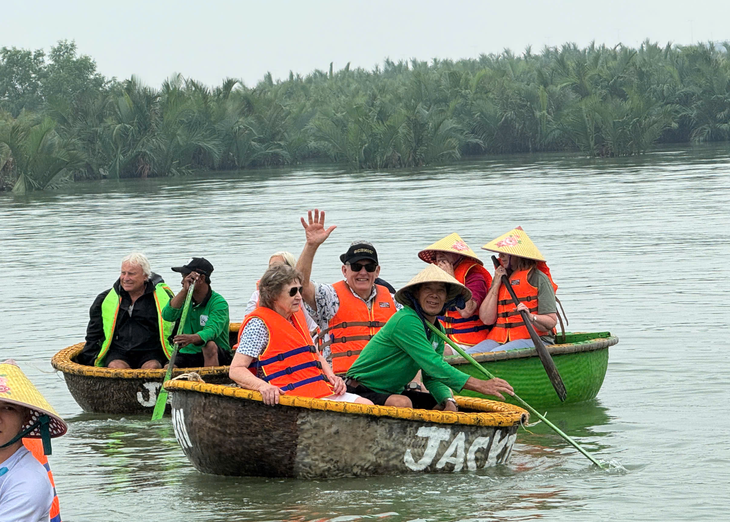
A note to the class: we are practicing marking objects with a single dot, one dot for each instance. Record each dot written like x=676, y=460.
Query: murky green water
x=638, y=246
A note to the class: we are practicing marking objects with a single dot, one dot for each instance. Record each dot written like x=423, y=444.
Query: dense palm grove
x=59, y=118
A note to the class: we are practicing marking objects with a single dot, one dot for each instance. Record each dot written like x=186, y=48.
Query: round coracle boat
x=226, y=430
x=106, y=390
x=581, y=359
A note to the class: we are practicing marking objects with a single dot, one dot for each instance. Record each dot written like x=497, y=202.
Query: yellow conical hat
x=433, y=274
x=451, y=243
x=516, y=242
x=16, y=388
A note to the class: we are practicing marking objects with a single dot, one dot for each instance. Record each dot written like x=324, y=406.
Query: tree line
x=60, y=118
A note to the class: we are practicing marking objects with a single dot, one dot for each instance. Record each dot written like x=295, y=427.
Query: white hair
x=140, y=260
x=288, y=258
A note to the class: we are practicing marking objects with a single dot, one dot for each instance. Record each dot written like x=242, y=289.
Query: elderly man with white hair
x=126, y=329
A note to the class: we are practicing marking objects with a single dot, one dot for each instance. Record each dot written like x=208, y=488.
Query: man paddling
x=203, y=339
x=126, y=329
x=349, y=312
x=406, y=345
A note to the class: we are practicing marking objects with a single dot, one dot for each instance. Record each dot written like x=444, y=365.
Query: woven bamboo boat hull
x=105, y=390
x=226, y=430
x=582, y=362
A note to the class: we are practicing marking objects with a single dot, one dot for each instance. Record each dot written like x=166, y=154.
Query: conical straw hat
x=516, y=242
x=433, y=274
x=17, y=389
x=451, y=243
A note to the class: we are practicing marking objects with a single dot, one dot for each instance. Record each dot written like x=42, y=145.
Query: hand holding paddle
x=159, y=410
x=542, y=351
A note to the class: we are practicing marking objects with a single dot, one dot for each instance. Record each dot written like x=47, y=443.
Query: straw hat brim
x=452, y=244
x=516, y=242
x=433, y=274
x=16, y=388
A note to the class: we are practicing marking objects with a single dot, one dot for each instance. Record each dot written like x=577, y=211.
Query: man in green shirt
x=405, y=345
x=203, y=339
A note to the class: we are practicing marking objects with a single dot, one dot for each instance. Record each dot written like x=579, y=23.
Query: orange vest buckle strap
x=355, y=323
x=509, y=325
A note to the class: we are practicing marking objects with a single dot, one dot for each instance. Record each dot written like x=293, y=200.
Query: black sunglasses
x=370, y=267
x=294, y=289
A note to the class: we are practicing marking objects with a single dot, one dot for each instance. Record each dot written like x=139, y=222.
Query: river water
x=639, y=247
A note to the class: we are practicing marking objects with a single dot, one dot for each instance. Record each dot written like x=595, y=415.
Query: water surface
x=638, y=246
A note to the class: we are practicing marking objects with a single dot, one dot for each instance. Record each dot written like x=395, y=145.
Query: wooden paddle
x=542, y=351
x=532, y=410
x=159, y=410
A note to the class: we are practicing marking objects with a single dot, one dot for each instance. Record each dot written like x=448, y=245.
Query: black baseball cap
x=358, y=252
x=196, y=264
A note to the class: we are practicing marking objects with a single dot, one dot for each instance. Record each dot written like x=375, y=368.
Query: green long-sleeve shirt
x=392, y=358
x=209, y=319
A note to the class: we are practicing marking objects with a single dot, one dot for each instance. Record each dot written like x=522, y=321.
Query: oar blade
x=160, y=405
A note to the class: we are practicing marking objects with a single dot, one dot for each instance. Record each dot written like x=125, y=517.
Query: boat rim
x=492, y=414
x=63, y=362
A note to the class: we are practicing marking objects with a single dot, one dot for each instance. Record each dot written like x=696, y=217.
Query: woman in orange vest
x=454, y=257
x=275, y=353
x=531, y=281
x=26, y=486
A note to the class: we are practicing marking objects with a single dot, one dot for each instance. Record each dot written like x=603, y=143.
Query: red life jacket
x=35, y=446
x=509, y=325
x=290, y=360
x=355, y=324
x=466, y=331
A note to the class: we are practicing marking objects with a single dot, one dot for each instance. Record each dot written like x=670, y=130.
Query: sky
x=210, y=40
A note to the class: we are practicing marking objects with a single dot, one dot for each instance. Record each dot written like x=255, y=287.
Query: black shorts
x=420, y=400
x=196, y=360
x=136, y=358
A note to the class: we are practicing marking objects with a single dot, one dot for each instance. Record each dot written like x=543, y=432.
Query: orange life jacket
x=290, y=360
x=509, y=325
x=355, y=324
x=466, y=331
x=35, y=446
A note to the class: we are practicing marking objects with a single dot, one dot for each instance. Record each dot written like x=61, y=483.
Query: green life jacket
x=110, y=309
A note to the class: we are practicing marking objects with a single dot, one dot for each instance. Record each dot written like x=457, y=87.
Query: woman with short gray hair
x=275, y=340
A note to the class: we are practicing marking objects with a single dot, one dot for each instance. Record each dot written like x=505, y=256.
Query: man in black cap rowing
x=349, y=312
x=203, y=339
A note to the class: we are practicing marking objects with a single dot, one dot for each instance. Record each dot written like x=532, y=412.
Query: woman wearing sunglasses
x=275, y=354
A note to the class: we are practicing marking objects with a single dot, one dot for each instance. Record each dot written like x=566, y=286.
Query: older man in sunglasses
x=349, y=312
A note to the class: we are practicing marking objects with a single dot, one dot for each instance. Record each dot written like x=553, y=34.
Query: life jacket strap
x=284, y=355
x=292, y=369
x=346, y=339
x=467, y=330
x=348, y=324
x=348, y=353
x=295, y=385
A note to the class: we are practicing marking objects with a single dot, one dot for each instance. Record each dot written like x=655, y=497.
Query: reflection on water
x=638, y=246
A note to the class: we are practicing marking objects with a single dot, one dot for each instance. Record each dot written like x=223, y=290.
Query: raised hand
x=314, y=228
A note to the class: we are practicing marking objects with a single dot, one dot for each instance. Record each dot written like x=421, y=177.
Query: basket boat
x=106, y=390
x=582, y=360
x=226, y=430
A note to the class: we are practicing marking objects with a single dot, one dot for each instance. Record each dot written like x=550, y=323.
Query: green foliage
x=63, y=118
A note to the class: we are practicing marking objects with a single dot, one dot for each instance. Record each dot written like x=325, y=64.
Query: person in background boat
x=204, y=338
x=126, y=329
x=454, y=257
x=349, y=312
x=406, y=345
x=276, y=338
x=27, y=492
x=530, y=278
x=280, y=258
